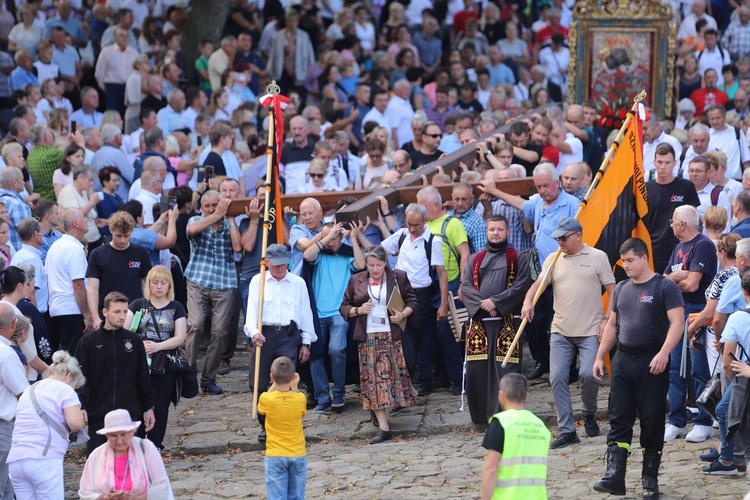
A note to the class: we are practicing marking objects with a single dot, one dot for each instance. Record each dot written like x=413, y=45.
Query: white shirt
x=283, y=302
x=737, y=153
x=412, y=258
x=399, y=113
x=413, y=12
x=687, y=27
x=713, y=59
x=650, y=147
x=555, y=64
x=12, y=380
x=33, y=256
x=66, y=262
x=376, y=116
x=135, y=139
x=354, y=166
x=366, y=35
x=148, y=200
x=704, y=195
x=135, y=188
x=575, y=156
x=689, y=155
x=188, y=118
x=47, y=71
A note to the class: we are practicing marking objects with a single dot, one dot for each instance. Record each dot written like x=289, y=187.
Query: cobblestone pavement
x=213, y=452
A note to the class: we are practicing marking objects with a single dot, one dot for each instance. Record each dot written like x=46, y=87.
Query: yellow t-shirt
x=284, y=411
x=456, y=234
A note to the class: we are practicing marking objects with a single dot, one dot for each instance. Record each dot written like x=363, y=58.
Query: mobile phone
x=167, y=203
x=732, y=356
x=209, y=174
x=199, y=140
x=73, y=127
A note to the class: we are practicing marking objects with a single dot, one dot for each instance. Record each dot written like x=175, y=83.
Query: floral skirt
x=384, y=379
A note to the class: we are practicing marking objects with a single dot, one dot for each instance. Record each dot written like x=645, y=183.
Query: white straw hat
x=117, y=421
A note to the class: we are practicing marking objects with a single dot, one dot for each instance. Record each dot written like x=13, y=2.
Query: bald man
x=572, y=180
x=302, y=234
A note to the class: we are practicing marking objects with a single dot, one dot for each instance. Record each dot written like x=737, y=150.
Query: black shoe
x=262, y=436
x=537, y=372
x=382, y=437
x=592, y=428
x=441, y=383
x=212, y=388
x=224, y=368
x=424, y=390
x=457, y=389
x=565, y=439
x=650, y=474
x=613, y=481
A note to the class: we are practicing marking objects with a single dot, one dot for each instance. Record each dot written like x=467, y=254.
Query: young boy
x=201, y=65
x=286, y=457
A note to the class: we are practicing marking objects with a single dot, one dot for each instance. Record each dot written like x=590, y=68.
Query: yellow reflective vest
x=523, y=463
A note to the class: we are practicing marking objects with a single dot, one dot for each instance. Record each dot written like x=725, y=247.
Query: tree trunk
x=206, y=22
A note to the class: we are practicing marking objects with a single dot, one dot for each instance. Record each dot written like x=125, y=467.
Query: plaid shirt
x=476, y=229
x=295, y=233
x=519, y=238
x=18, y=210
x=736, y=38
x=212, y=258
x=42, y=163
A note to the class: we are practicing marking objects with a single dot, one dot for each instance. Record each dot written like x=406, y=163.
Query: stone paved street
x=213, y=452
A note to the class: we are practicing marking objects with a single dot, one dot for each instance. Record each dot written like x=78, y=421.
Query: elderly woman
x=25, y=35
x=163, y=328
x=80, y=194
x=37, y=449
x=124, y=463
x=384, y=378
x=418, y=121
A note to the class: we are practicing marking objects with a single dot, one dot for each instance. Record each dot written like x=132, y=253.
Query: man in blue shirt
x=22, y=75
x=330, y=279
x=70, y=24
x=741, y=208
x=87, y=116
x=545, y=209
x=169, y=118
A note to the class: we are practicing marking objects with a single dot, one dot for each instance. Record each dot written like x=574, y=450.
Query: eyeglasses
x=434, y=136
x=399, y=166
x=317, y=176
x=565, y=237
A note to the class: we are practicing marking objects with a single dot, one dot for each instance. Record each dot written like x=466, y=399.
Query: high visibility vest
x=523, y=463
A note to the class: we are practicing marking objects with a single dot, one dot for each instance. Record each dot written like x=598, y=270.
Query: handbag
x=711, y=394
x=74, y=438
x=738, y=404
x=532, y=257
x=187, y=380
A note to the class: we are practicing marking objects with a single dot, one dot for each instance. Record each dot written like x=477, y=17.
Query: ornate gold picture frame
x=620, y=47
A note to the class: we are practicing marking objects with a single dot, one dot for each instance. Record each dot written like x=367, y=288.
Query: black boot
x=613, y=481
x=649, y=477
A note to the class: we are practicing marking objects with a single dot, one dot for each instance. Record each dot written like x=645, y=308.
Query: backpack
x=435, y=285
x=721, y=52
x=715, y=193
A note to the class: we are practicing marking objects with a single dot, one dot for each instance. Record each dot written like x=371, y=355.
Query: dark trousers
x=232, y=334
x=452, y=354
x=277, y=344
x=537, y=332
x=163, y=387
x=636, y=389
x=421, y=324
x=115, y=97
x=68, y=329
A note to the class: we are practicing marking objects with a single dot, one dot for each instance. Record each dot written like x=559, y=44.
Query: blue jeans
x=286, y=477
x=727, y=447
x=451, y=350
x=244, y=292
x=333, y=332
x=678, y=385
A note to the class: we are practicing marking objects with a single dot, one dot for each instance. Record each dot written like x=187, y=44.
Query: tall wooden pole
x=273, y=88
x=605, y=163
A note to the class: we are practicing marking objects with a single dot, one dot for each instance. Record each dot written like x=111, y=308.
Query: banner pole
x=595, y=182
x=266, y=228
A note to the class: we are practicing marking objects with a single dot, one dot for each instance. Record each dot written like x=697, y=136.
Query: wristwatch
x=306, y=345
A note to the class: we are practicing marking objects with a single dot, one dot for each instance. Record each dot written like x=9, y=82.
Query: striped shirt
x=211, y=258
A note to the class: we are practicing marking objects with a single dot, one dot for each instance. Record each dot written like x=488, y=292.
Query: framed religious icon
x=619, y=48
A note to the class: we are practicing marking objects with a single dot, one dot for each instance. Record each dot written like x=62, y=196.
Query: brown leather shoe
x=224, y=368
x=381, y=437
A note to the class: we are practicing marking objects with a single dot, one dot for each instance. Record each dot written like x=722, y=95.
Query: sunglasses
x=317, y=176
x=434, y=136
x=564, y=237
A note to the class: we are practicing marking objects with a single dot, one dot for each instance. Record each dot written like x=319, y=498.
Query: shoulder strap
x=143, y=454
x=715, y=193
x=50, y=423
x=401, y=241
x=737, y=134
x=444, y=236
x=701, y=54
x=428, y=249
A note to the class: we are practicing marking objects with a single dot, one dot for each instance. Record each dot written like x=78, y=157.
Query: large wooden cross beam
x=403, y=191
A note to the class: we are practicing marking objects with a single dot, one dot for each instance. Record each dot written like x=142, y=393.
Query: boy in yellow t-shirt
x=286, y=455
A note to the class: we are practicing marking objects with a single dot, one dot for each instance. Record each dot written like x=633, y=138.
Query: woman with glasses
x=318, y=178
x=384, y=378
x=376, y=165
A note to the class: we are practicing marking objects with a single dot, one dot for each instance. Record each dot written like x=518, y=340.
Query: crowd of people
x=121, y=157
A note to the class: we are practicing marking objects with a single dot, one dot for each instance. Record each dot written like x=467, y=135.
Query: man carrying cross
x=493, y=284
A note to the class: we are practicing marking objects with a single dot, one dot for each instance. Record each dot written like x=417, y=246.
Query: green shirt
x=42, y=163
x=455, y=235
x=201, y=64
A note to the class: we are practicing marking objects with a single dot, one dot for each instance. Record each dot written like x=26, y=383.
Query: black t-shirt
x=641, y=310
x=213, y=160
x=494, y=438
x=418, y=158
x=182, y=245
x=163, y=328
x=119, y=270
x=154, y=103
x=696, y=255
x=251, y=260
x=662, y=201
x=472, y=105
x=529, y=165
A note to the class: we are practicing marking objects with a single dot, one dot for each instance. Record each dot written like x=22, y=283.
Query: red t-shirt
x=544, y=36
x=704, y=98
x=459, y=20
x=551, y=153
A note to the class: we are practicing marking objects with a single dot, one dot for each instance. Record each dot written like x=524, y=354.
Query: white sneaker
x=672, y=432
x=699, y=433
x=715, y=424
